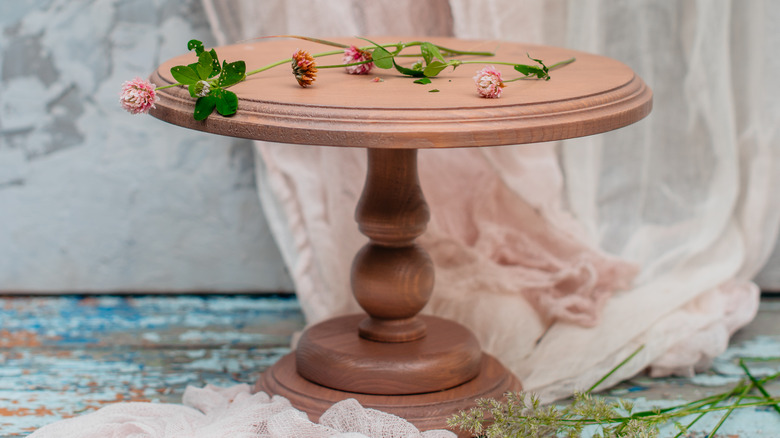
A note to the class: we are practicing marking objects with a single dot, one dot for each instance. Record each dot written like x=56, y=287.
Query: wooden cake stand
x=421, y=368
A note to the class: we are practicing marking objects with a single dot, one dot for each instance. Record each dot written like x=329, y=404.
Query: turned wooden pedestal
x=422, y=368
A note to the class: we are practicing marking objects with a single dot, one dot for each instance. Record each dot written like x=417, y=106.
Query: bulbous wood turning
x=392, y=277
x=393, y=350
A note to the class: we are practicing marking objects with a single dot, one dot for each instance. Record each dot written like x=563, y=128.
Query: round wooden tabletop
x=592, y=95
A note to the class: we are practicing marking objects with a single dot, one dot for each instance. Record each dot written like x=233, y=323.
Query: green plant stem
x=760, y=359
x=562, y=63
x=552, y=67
x=714, y=402
x=448, y=50
x=612, y=371
x=730, y=410
x=399, y=45
x=758, y=385
x=343, y=65
x=659, y=415
x=269, y=66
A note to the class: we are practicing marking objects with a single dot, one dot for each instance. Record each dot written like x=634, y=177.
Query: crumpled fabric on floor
x=234, y=412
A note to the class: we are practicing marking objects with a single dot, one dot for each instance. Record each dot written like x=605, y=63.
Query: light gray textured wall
x=95, y=199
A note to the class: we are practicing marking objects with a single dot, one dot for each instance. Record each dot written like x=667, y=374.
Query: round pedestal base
x=332, y=354
x=426, y=411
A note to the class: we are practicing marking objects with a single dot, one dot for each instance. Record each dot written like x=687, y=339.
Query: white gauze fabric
x=521, y=236
x=233, y=412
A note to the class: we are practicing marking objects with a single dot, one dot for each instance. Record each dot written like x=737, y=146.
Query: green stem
x=489, y=62
x=612, y=371
x=552, y=67
x=731, y=409
x=448, y=50
x=314, y=40
x=613, y=420
x=562, y=63
x=168, y=86
x=760, y=359
x=400, y=45
x=713, y=402
x=316, y=55
x=758, y=384
x=343, y=65
x=266, y=67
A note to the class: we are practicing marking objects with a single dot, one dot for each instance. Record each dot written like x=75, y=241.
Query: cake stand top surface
x=592, y=95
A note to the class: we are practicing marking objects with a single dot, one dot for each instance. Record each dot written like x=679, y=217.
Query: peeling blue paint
x=67, y=355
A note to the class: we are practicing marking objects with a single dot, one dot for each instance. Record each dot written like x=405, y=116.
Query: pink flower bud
x=138, y=96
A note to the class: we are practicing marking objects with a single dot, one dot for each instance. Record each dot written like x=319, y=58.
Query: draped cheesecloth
x=563, y=257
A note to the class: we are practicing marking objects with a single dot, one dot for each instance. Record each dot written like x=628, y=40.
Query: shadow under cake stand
x=422, y=368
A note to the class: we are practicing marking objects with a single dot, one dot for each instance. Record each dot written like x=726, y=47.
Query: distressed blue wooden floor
x=65, y=356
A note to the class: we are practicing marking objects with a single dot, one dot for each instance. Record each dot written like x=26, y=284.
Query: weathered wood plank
x=65, y=356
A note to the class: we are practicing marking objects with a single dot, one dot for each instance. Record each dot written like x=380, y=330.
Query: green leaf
x=434, y=68
x=204, y=106
x=409, y=71
x=232, y=73
x=381, y=57
x=205, y=65
x=423, y=81
x=215, y=63
x=195, y=44
x=538, y=61
x=185, y=74
x=530, y=70
x=227, y=102
x=430, y=52
x=435, y=90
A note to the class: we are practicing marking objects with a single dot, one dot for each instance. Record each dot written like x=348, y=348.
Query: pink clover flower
x=352, y=55
x=138, y=96
x=489, y=83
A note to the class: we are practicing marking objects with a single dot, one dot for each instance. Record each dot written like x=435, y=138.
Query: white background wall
x=95, y=199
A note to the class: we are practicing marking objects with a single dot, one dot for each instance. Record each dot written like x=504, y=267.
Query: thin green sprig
x=521, y=414
x=617, y=367
x=757, y=384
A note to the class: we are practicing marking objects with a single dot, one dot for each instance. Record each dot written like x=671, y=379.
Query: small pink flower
x=489, y=83
x=138, y=96
x=353, y=54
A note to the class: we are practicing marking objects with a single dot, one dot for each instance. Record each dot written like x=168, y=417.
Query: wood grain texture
x=426, y=411
x=331, y=354
x=594, y=94
x=392, y=277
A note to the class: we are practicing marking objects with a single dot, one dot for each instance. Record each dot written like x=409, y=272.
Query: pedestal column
x=420, y=367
